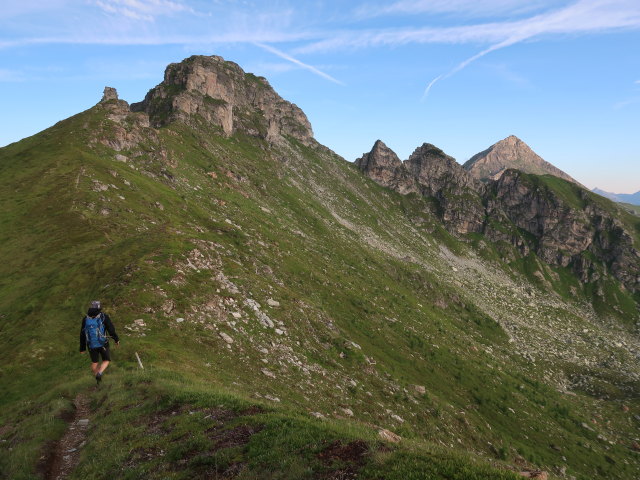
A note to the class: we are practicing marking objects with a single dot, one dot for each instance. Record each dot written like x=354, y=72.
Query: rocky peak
x=432, y=173
x=383, y=166
x=223, y=95
x=510, y=152
x=379, y=156
x=436, y=171
x=457, y=193
x=110, y=93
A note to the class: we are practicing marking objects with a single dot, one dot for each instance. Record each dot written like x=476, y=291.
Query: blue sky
x=564, y=76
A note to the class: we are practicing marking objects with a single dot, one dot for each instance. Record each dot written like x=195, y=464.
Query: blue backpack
x=94, y=330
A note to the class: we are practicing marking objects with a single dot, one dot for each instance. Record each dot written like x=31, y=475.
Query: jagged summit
x=569, y=227
x=428, y=163
x=511, y=152
x=441, y=177
x=432, y=173
x=222, y=94
x=383, y=165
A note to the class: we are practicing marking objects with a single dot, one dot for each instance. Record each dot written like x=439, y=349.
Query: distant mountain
x=558, y=219
x=511, y=153
x=632, y=198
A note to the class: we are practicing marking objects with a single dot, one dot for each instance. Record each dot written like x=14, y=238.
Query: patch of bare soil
x=232, y=437
x=346, y=459
x=61, y=457
x=160, y=423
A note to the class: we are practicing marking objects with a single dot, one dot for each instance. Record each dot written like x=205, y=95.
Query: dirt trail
x=63, y=456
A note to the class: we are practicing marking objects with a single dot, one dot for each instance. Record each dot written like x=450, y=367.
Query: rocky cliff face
x=564, y=226
x=458, y=194
x=128, y=129
x=383, y=165
x=510, y=153
x=432, y=173
x=438, y=173
x=578, y=234
x=222, y=94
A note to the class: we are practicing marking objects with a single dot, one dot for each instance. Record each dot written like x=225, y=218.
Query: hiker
x=93, y=334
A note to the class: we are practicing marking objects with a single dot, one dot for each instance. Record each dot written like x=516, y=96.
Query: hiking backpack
x=94, y=330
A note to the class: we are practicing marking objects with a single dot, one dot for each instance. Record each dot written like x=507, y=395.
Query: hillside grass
x=158, y=425
x=362, y=322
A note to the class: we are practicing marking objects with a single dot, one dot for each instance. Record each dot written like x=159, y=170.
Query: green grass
x=632, y=208
x=155, y=424
x=364, y=318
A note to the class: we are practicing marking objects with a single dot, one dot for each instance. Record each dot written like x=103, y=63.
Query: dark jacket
x=111, y=331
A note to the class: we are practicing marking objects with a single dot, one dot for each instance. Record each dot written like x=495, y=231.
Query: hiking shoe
x=98, y=377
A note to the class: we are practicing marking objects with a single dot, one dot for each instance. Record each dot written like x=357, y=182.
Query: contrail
x=311, y=68
x=460, y=66
x=426, y=91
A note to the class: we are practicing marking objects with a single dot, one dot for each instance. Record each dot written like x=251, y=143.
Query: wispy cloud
x=585, y=16
x=150, y=22
x=175, y=22
x=627, y=102
x=11, y=75
x=295, y=61
x=469, y=8
x=272, y=67
x=581, y=17
x=145, y=10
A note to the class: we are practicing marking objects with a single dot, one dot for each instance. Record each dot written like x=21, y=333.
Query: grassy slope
x=365, y=314
x=632, y=208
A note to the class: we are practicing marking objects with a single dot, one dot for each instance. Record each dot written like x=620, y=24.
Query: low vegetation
x=286, y=310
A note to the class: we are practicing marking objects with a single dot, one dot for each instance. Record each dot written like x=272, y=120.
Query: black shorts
x=102, y=352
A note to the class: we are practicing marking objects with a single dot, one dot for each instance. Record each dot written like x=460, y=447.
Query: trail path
x=65, y=454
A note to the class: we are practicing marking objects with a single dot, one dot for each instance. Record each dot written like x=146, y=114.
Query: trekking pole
x=139, y=361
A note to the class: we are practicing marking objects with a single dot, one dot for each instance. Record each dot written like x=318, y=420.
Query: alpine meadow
x=285, y=313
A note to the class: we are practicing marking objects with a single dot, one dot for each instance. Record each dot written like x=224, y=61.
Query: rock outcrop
x=223, y=95
x=513, y=153
x=110, y=93
x=128, y=129
x=574, y=231
x=431, y=173
x=383, y=166
x=561, y=223
x=458, y=194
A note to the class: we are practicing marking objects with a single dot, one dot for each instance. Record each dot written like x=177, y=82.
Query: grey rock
x=383, y=166
x=226, y=337
x=510, y=153
x=226, y=97
x=268, y=373
x=458, y=193
x=110, y=93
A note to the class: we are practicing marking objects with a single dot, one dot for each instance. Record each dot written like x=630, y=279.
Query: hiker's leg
x=94, y=360
x=103, y=366
x=106, y=358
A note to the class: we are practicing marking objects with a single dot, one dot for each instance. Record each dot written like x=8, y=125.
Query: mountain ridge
x=632, y=198
x=569, y=227
x=290, y=312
